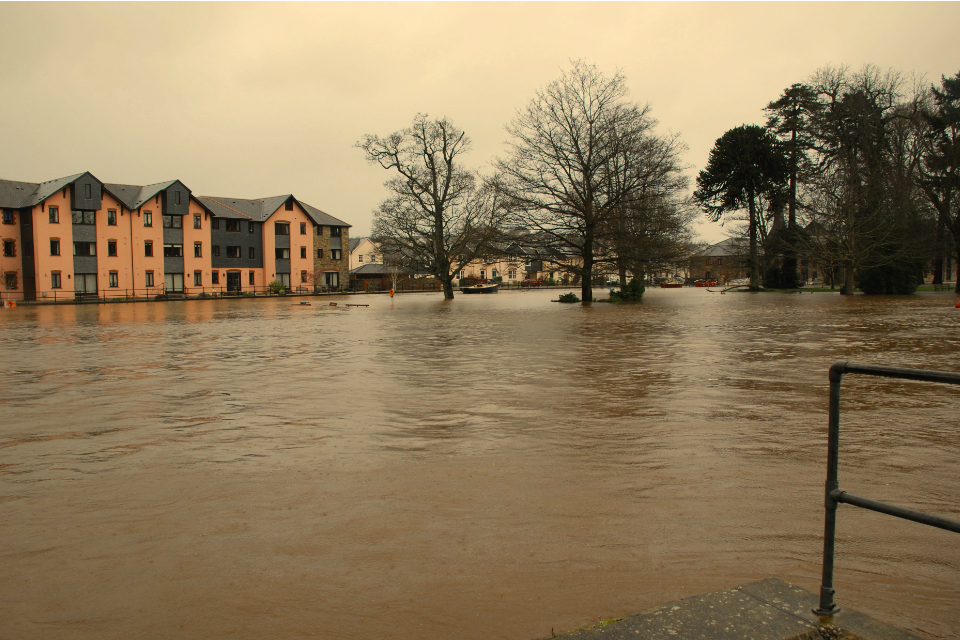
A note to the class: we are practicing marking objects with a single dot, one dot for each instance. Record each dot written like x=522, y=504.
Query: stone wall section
x=322, y=239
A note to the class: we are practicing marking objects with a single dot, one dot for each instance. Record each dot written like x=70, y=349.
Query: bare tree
x=856, y=193
x=436, y=211
x=574, y=163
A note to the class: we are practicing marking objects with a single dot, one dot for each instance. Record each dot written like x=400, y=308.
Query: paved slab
x=767, y=610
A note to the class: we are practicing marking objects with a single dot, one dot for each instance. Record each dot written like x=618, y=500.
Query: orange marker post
x=391, y=295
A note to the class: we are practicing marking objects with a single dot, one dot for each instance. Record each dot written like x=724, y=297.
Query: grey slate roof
x=355, y=242
x=30, y=193
x=728, y=247
x=134, y=196
x=262, y=208
x=12, y=193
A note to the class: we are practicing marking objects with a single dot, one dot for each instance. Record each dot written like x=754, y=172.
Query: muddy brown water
x=494, y=467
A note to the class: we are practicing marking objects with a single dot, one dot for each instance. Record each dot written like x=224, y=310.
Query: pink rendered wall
x=191, y=236
x=121, y=234
x=297, y=240
x=139, y=235
x=43, y=232
x=12, y=263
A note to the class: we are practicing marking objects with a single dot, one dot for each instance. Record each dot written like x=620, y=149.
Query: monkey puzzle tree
x=746, y=163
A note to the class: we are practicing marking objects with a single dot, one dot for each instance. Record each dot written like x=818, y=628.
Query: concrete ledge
x=770, y=609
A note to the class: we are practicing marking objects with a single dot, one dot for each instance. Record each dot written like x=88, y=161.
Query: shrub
x=569, y=297
x=276, y=287
x=633, y=292
x=897, y=278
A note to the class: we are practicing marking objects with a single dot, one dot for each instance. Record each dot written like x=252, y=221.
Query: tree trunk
x=938, y=260
x=447, y=287
x=754, y=252
x=847, y=288
x=956, y=288
x=623, y=275
x=586, y=286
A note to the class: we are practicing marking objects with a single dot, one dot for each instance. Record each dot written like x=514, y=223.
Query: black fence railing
x=833, y=496
x=114, y=294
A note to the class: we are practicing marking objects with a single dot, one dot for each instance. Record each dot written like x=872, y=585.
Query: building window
x=84, y=248
x=8, y=216
x=148, y=249
x=172, y=222
x=334, y=232
x=483, y=274
x=334, y=254
x=178, y=196
x=249, y=227
x=512, y=274
x=281, y=228
x=84, y=217
x=197, y=249
x=461, y=275
x=111, y=217
x=149, y=278
x=215, y=224
x=54, y=213
x=173, y=251
x=198, y=278
x=283, y=254
x=319, y=230
x=112, y=248
x=114, y=279
x=251, y=278
x=214, y=277
x=288, y=205
x=233, y=252
x=493, y=273
x=233, y=225
x=215, y=251
x=148, y=222
x=719, y=262
x=10, y=280
x=87, y=191
x=54, y=279
x=303, y=252
x=303, y=228
x=284, y=279
x=360, y=259
x=196, y=221
x=303, y=276
x=320, y=254
x=253, y=253
x=54, y=247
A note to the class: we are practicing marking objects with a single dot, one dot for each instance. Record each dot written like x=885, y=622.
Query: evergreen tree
x=746, y=163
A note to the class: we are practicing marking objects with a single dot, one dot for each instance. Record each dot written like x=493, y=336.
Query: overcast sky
x=252, y=100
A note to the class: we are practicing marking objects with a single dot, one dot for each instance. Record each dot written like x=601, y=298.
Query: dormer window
x=288, y=205
x=334, y=232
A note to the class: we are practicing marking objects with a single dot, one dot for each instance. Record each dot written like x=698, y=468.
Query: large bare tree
x=438, y=216
x=574, y=162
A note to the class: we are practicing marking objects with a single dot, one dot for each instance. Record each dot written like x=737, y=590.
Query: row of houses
x=512, y=262
x=78, y=236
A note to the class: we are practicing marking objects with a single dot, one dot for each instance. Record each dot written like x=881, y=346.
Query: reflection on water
x=492, y=467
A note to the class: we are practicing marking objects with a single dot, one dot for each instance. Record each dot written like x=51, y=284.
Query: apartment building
x=77, y=237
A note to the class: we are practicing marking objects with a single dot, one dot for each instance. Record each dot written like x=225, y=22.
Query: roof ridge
x=228, y=206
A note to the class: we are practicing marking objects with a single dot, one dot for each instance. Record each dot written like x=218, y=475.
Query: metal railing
x=115, y=294
x=833, y=496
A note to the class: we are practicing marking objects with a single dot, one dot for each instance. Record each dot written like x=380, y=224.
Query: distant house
x=363, y=252
x=724, y=261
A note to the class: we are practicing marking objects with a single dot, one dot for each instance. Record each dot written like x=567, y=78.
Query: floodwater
x=495, y=467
